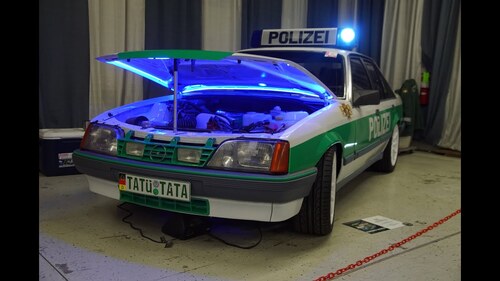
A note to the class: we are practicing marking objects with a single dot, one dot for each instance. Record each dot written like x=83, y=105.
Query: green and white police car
x=265, y=134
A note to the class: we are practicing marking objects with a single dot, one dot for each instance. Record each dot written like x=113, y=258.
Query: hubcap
x=394, y=145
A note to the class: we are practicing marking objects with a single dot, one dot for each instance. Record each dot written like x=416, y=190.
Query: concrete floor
x=82, y=236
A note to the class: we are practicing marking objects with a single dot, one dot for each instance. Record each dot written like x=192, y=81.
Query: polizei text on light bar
x=310, y=36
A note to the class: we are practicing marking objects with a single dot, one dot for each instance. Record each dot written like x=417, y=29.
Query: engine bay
x=223, y=112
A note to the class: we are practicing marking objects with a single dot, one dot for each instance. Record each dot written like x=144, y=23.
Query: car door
x=380, y=125
x=361, y=81
x=373, y=126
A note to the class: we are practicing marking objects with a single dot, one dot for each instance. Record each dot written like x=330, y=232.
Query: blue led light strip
x=195, y=88
x=140, y=72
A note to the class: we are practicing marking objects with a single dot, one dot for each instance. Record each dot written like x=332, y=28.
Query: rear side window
x=388, y=93
x=372, y=73
x=378, y=81
x=360, y=80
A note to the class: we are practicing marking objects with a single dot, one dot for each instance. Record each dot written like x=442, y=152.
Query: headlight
x=252, y=156
x=101, y=138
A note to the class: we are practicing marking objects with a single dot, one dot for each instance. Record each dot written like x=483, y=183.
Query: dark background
x=64, y=62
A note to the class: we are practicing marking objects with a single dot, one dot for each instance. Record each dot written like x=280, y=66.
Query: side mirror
x=365, y=97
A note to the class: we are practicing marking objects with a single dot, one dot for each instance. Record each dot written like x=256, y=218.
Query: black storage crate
x=55, y=149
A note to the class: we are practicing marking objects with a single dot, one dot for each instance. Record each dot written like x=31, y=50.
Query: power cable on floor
x=163, y=240
x=168, y=243
x=235, y=245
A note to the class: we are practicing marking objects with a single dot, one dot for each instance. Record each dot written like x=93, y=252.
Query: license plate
x=170, y=189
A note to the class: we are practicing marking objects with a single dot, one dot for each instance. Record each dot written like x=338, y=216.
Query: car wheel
x=318, y=208
x=390, y=156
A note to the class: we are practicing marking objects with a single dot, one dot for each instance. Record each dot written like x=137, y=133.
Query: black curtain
x=370, y=15
x=173, y=24
x=322, y=13
x=258, y=14
x=63, y=63
x=439, y=30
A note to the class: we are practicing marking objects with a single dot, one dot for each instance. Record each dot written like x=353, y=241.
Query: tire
x=390, y=154
x=317, y=212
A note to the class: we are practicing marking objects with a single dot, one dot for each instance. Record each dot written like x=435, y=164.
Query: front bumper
x=226, y=185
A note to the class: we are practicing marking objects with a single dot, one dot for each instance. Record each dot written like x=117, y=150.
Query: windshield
x=328, y=69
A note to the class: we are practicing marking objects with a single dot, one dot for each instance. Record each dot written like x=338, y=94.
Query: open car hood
x=199, y=70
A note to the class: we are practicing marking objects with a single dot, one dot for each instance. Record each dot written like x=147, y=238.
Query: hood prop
x=176, y=62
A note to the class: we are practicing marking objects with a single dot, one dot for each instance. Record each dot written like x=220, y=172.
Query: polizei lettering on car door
x=379, y=125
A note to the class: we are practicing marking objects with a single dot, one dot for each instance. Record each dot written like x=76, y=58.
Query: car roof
x=342, y=52
x=307, y=49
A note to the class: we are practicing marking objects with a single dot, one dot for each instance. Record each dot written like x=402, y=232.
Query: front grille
x=196, y=206
x=164, y=152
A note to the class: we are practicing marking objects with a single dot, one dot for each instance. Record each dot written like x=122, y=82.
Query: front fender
x=308, y=153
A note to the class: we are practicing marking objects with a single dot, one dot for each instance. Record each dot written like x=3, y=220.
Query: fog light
x=134, y=149
x=188, y=155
